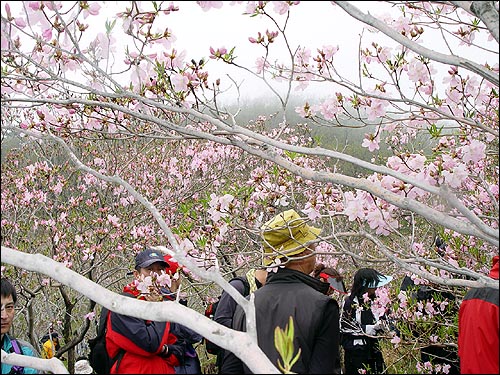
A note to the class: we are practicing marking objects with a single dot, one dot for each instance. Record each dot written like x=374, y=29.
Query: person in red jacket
x=142, y=346
x=478, y=329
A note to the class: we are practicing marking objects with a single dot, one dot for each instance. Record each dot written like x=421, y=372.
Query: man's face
x=310, y=262
x=8, y=312
x=155, y=267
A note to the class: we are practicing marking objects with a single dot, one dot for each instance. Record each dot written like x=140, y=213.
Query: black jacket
x=315, y=318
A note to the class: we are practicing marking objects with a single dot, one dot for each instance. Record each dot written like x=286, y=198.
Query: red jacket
x=142, y=341
x=478, y=329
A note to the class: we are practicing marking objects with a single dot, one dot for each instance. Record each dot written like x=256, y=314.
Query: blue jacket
x=26, y=348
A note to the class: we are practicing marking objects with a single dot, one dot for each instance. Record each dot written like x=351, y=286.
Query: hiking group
x=290, y=286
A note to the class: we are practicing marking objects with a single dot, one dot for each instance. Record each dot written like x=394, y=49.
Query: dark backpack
x=210, y=313
x=99, y=358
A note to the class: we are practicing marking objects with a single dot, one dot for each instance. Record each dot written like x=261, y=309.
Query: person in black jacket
x=290, y=291
x=360, y=326
x=253, y=280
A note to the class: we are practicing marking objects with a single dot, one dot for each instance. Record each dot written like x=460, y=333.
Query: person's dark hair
x=362, y=277
x=320, y=267
x=8, y=290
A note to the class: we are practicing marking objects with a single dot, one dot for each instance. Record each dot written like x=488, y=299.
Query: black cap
x=149, y=256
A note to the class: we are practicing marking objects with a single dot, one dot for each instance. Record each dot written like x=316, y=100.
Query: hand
x=375, y=329
x=153, y=297
x=175, y=284
x=381, y=327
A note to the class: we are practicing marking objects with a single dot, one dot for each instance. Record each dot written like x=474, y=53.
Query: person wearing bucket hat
x=286, y=235
x=360, y=326
x=290, y=292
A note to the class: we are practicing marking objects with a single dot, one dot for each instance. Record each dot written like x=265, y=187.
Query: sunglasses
x=338, y=285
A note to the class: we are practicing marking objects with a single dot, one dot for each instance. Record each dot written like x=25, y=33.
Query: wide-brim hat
x=83, y=367
x=285, y=235
x=382, y=280
x=336, y=283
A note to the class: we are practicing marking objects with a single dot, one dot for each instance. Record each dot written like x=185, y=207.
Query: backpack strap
x=250, y=275
x=16, y=348
x=103, y=321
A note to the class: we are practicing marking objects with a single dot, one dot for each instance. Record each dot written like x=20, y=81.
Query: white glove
x=372, y=330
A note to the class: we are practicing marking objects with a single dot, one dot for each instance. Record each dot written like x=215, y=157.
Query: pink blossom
x=303, y=111
x=371, y=141
x=275, y=265
x=90, y=316
x=303, y=56
x=260, y=64
x=417, y=71
x=402, y=24
x=91, y=9
x=114, y=220
x=207, y=5
x=329, y=108
x=174, y=59
x=376, y=109
x=354, y=207
x=416, y=162
x=251, y=7
x=396, y=340
x=180, y=82
x=27, y=197
x=20, y=22
x=57, y=188
x=474, y=151
x=453, y=95
x=281, y=7
x=456, y=177
x=329, y=51
x=311, y=212
x=225, y=201
x=215, y=54
x=384, y=54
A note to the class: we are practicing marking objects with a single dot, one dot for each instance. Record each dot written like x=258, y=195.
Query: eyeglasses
x=9, y=307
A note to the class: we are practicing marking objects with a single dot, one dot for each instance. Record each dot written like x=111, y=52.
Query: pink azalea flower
x=180, y=82
x=371, y=142
x=91, y=9
x=281, y=7
x=207, y=5
x=474, y=152
x=90, y=316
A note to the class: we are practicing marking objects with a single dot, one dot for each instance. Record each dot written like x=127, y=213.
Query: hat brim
x=291, y=247
x=382, y=281
x=338, y=285
x=149, y=262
